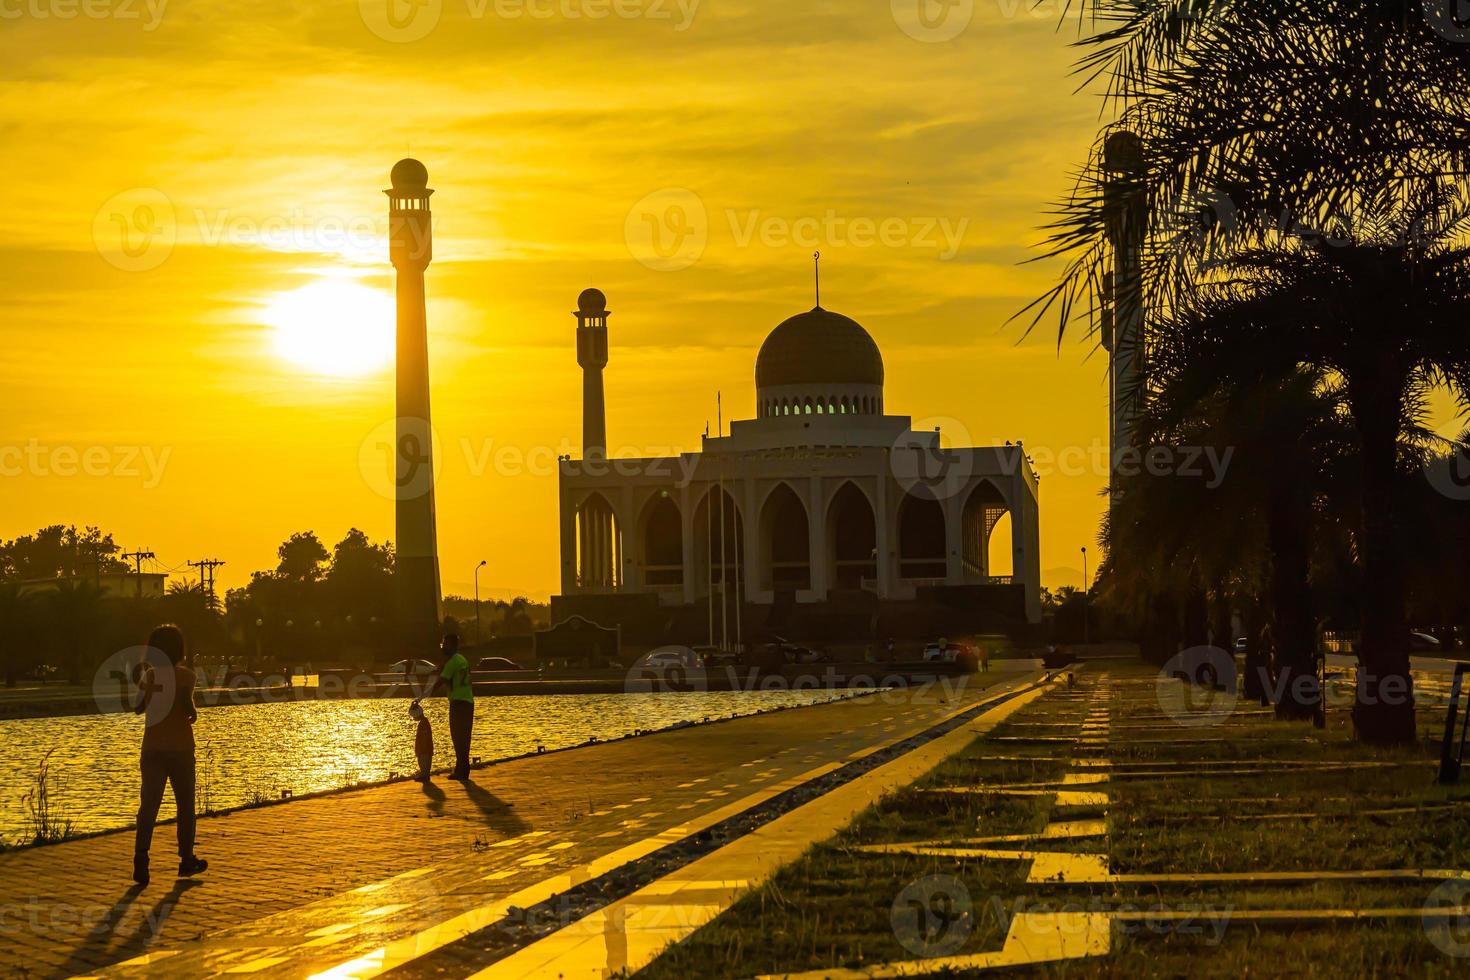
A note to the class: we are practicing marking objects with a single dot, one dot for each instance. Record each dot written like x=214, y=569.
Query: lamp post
x=1086, y=601
x=479, y=639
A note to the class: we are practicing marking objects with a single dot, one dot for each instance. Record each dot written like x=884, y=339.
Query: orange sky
x=146, y=390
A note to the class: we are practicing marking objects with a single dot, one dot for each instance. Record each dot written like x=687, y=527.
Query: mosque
x=824, y=514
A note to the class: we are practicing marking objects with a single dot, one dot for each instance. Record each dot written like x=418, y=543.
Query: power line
x=137, y=557
x=206, y=568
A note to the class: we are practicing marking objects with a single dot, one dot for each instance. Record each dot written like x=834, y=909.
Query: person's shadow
x=499, y=815
x=125, y=930
x=435, y=798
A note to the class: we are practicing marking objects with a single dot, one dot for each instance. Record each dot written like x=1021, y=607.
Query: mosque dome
x=409, y=175
x=591, y=301
x=818, y=347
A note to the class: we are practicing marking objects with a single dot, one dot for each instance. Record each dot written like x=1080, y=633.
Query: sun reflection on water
x=250, y=753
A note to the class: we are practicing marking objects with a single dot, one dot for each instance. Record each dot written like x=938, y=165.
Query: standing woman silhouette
x=166, y=701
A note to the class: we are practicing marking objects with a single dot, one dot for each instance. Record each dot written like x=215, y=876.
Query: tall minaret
x=411, y=247
x=592, y=314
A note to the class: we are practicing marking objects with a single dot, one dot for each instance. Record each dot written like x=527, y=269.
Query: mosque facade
x=823, y=500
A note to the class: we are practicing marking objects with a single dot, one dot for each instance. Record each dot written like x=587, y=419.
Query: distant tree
x=302, y=558
x=59, y=551
x=17, y=631
x=74, y=625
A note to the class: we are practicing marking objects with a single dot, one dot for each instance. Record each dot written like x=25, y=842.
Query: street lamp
x=479, y=637
x=1086, y=601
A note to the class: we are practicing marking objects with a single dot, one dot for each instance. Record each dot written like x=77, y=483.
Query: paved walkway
x=317, y=884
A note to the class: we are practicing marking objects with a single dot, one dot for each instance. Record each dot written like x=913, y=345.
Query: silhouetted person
x=166, y=701
x=456, y=678
x=423, y=740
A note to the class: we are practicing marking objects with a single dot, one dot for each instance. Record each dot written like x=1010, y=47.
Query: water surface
x=252, y=752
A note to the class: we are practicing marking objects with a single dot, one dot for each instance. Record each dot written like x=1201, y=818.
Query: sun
x=334, y=327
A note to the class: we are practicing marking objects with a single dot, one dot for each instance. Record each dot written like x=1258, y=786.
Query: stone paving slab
x=393, y=860
x=628, y=934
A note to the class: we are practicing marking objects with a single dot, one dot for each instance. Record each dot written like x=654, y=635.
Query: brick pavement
x=353, y=870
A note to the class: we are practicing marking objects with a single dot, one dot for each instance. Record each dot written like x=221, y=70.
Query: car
x=936, y=653
x=420, y=668
x=715, y=657
x=1423, y=643
x=497, y=663
x=665, y=658
x=803, y=655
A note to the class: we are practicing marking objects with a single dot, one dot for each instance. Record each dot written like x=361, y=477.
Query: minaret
x=592, y=314
x=411, y=247
x=1123, y=327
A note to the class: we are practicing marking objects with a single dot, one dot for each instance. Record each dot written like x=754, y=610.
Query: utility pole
x=206, y=568
x=137, y=557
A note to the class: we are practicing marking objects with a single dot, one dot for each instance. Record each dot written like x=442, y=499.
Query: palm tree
x=75, y=607
x=17, y=627
x=1382, y=315
x=1282, y=427
x=1264, y=124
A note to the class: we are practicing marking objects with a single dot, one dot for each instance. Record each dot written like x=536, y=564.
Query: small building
x=824, y=499
x=125, y=585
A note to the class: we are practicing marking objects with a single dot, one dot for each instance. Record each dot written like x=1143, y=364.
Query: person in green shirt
x=456, y=678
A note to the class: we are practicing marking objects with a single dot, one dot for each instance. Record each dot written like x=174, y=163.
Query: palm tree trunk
x=1384, y=710
x=1257, y=664
x=1288, y=535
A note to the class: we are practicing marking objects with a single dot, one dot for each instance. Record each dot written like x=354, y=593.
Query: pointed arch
x=661, y=541
x=852, y=538
x=785, y=541
x=719, y=543
x=986, y=554
x=599, y=545
x=921, y=537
